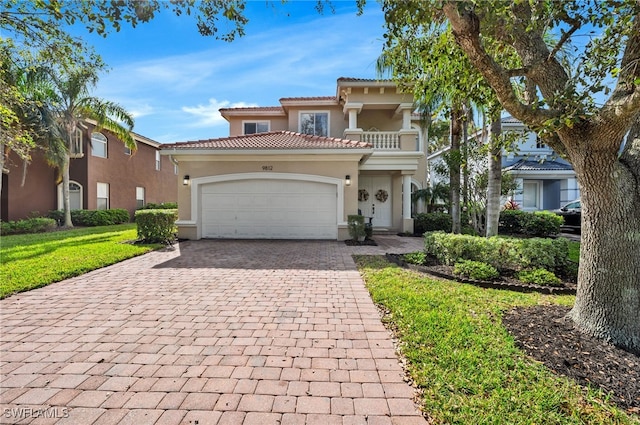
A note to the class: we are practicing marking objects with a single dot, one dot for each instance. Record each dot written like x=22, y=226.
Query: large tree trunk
x=454, y=168
x=66, y=205
x=608, y=299
x=494, y=186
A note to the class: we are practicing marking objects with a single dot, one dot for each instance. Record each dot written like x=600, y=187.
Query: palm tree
x=71, y=103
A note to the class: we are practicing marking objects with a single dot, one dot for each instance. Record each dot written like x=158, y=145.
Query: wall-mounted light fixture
x=185, y=180
x=347, y=180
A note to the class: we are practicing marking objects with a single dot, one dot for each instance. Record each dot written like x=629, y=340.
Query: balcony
x=382, y=140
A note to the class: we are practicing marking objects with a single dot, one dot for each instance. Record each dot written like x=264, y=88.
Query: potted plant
x=356, y=227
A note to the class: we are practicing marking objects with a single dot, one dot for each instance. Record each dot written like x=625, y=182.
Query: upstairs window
x=98, y=145
x=157, y=160
x=252, y=127
x=127, y=150
x=540, y=144
x=314, y=123
x=76, y=143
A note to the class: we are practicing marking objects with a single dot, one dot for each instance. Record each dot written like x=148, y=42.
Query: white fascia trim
x=199, y=181
x=309, y=102
x=542, y=175
x=246, y=112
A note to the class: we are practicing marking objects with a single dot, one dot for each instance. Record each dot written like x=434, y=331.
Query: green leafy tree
x=600, y=140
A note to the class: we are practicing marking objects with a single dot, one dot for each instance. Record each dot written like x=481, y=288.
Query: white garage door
x=269, y=209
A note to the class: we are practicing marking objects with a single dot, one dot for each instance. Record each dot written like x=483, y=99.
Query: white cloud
x=208, y=115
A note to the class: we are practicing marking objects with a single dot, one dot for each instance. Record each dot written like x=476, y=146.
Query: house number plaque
x=267, y=168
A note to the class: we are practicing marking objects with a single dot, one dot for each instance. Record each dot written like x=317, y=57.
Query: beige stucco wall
x=277, y=123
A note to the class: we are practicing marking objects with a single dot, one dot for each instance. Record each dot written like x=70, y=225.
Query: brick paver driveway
x=215, y=332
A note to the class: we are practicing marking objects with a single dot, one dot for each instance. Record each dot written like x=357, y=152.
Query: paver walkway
x=214, y=332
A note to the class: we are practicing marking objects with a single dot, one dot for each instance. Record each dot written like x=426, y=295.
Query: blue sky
x=173, y=80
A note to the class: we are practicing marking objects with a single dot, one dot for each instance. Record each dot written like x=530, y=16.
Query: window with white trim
x=314, y=123
x=139, y=197
x=103, y=196
x=175, y=169
x=157, y=160
x=540, y=144
x=252, y=127
x=98, y=145
x=127, y=150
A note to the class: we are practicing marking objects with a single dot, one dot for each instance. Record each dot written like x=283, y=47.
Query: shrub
x=92, y=218
x=356, y=226
x=29, y=225
x=502, y=253
x=537, y=223
x=156, y=226
x=160, y=206
x=429, y=222
x=476, y=270
x=539, y=277
x=418, y=257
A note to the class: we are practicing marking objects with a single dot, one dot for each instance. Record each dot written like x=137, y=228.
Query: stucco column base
x=407, y=225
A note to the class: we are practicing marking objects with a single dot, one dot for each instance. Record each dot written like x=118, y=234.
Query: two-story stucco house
x=103, y=175
x=297, y=170
x=545, y=180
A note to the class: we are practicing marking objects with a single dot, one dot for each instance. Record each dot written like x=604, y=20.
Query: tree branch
x=466, y=30
x=576, y=24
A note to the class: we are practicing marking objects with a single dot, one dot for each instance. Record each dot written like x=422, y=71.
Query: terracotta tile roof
x=312, y=98
x=270, y=141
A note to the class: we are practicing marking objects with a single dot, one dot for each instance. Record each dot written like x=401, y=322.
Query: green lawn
x=35, y=260
x=465, y=362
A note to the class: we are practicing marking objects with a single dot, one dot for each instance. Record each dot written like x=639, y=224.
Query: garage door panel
x=269, y=209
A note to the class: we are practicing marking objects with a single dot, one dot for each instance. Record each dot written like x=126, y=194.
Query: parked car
x=572, y=215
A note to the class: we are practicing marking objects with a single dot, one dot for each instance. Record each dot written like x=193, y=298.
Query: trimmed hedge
x=91, y=218
x=29, y=225
x=536, y=223
x=160, y=206
x=157, y=226
x=429, y=222
x=502, y=253
x=476, y=270
x=540, y=277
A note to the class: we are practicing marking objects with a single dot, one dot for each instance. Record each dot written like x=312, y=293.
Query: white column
x=406, y=196
x=406, y=119
x=353, y=119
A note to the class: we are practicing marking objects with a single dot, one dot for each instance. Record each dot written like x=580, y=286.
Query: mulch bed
x=545, y=334
x=548, y=336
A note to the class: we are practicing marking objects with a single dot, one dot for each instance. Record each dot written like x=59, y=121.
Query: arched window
x=98, y=145
x=76, y=144
x=75, y=196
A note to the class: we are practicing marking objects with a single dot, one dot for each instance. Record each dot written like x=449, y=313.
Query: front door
x=374, y=199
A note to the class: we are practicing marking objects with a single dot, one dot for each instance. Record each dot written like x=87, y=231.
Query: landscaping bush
x=161, y=206
x=537, y=223
x=540, y=277
x=476, y=270
x=429, y=222
x=355, y=224
x=418, y=257
x=156, y=226
x=29, y=225
x=502, y=253
x=92, y=218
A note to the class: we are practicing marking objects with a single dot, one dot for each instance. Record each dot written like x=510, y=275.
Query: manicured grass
x=465, y=362
x=35, y=260
x=574, y=251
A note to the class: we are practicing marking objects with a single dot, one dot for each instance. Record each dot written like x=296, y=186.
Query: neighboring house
x=103, y=175
x=296, y=171
x=545, y=180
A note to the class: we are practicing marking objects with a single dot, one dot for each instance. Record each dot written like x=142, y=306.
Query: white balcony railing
x=382, y=140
